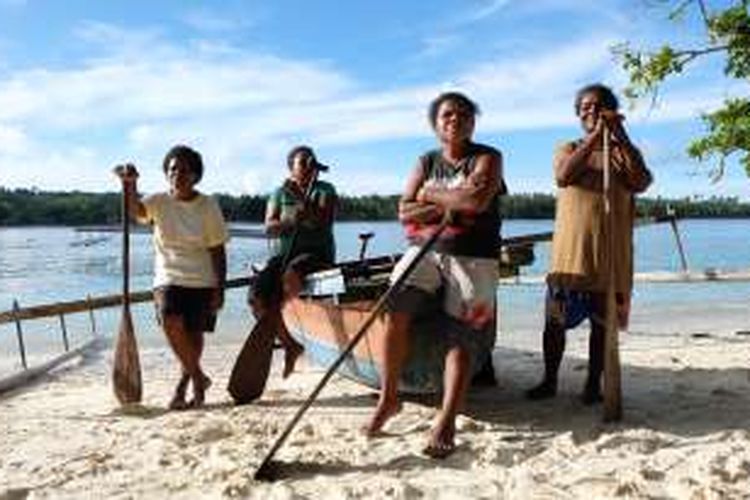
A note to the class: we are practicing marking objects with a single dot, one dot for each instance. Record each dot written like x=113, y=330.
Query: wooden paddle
x=126, y=375
x=266, y=470
x=612, y=383
x=253, y=364
x=250, y=371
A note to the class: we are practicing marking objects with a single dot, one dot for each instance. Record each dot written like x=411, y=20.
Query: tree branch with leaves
x=727, y=34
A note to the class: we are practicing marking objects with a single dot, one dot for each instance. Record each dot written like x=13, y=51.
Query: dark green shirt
x=315, y=237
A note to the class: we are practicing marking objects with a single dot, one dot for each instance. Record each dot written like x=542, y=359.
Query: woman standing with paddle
x=190, y=262
x=465, y=179
x=579, y=276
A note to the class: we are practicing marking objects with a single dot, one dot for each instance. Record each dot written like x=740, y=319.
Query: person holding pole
x=304, y=205
x=462, y=178
x=579, y=274
x=190, y=262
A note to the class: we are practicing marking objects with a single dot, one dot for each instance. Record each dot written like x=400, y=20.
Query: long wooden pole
x=265, y=470
x=612, y=379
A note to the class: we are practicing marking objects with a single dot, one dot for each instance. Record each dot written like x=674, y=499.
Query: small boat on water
x=336, y=302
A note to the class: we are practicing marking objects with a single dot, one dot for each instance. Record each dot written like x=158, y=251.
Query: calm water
x=44, y=264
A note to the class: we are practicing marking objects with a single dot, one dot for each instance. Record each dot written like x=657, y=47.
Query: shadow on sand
x=682, y=401
x=686, y=402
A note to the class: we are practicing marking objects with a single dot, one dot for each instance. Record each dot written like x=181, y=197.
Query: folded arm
x=411, y=210
x=472, y=196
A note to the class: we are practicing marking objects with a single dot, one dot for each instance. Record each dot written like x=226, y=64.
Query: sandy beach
x=686, y=433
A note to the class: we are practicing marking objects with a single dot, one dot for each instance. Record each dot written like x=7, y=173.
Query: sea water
x=41, y=265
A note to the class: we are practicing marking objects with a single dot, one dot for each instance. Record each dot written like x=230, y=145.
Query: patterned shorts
x=464, y=289
x=569, y=308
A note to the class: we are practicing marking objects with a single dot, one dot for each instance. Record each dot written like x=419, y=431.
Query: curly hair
x=456, y=97
x=185, y=154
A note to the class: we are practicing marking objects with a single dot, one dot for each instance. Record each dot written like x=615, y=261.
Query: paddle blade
x=250, y=371
x=126, y=374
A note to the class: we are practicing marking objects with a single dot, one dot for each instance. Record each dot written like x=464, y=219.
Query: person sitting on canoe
x=578, y=279
x=305, y=205
x=189, y=265
x=464, y=178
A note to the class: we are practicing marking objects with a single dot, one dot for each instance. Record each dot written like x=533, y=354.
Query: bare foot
x=200, y=385
x=442, y=441
x=383, y=412
x=290, y=358
x=178, y=404
x=178, y=399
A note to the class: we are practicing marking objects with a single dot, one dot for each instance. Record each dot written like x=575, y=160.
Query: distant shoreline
x=29, y=207
x=84, y=227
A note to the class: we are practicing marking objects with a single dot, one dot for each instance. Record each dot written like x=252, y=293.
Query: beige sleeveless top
x=579, y=246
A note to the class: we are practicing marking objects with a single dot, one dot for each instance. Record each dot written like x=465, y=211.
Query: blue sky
x=87, y=84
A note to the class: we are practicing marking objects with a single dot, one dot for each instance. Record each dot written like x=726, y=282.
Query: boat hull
x=325, y=328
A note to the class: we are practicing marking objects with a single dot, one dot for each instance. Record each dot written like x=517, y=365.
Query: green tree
x=727, y=34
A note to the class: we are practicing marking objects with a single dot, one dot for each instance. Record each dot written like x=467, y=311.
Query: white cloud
x=69, y=168
x=685, y=103
x=13, y=141
x=483, y=10
x=436, y=45
x=115, y=42
x=213, y=21
x=243, y=110
x=120, y=90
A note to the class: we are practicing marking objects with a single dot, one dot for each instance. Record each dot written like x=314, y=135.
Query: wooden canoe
x=334, y=305
x=325, y=325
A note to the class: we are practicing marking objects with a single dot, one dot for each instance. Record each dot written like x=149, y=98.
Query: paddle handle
x=612, y=379
x=126, y=244
x=261, y=472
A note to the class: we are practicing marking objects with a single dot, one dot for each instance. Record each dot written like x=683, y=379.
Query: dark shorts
x=192, y=304
x=266, y=284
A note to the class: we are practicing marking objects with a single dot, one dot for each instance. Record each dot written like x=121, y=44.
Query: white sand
x=686, y=433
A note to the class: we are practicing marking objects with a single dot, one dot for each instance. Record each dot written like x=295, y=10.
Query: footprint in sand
x=653, y=475
x=15, y=494
x=212, y=434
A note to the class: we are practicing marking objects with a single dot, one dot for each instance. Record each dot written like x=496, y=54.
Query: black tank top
x=477, y=239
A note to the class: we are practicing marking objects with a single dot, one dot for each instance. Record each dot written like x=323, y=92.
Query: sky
x=85, y=85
